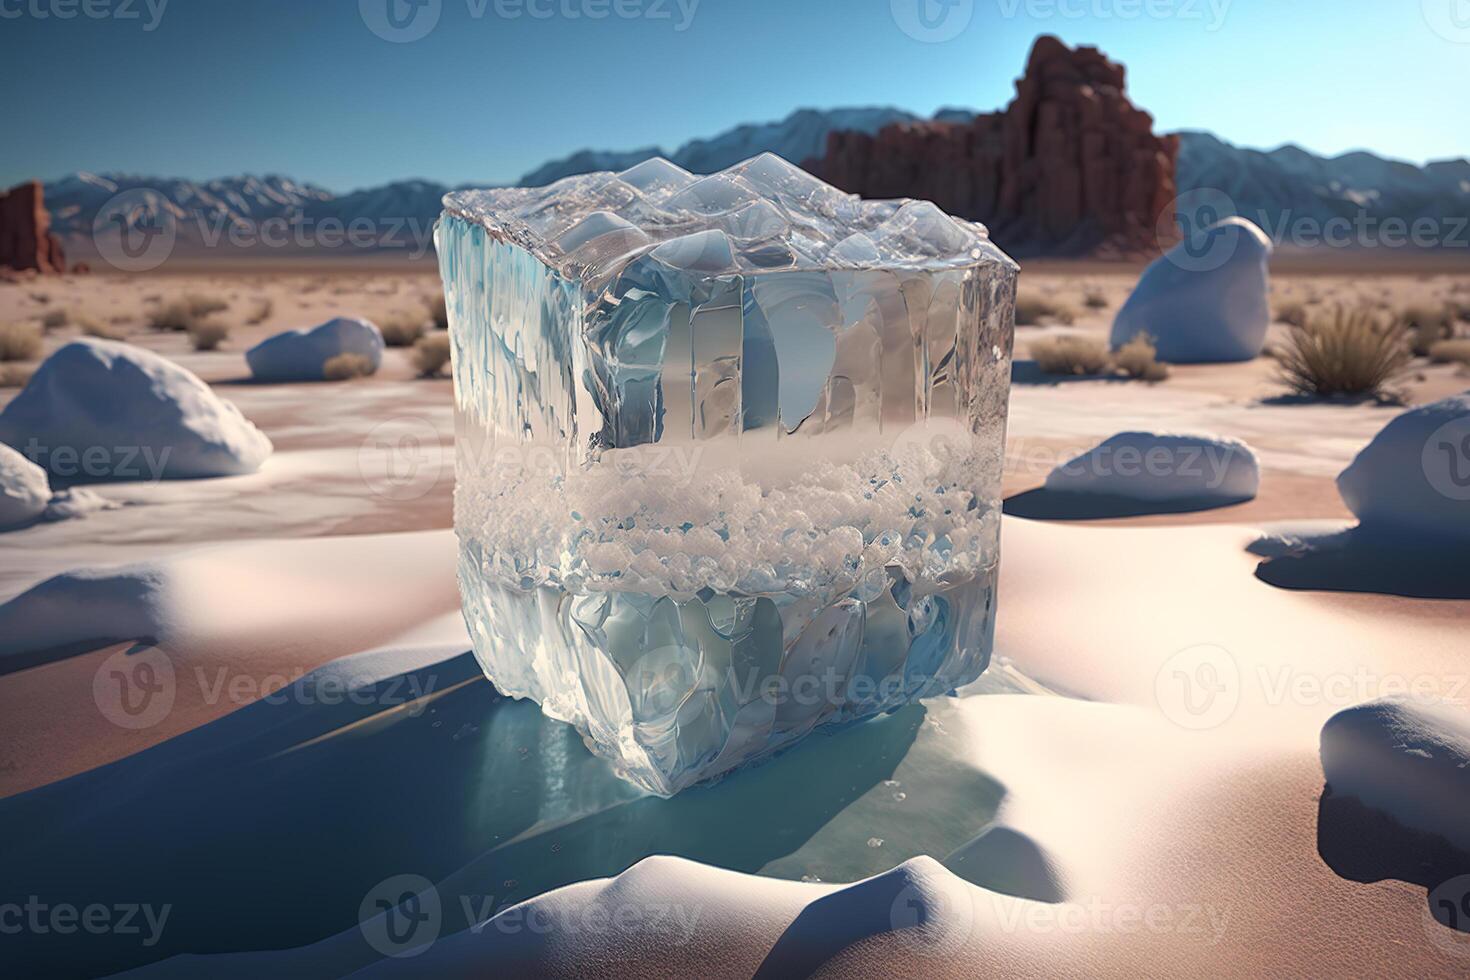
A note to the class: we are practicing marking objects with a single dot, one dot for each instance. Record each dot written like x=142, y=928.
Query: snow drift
x=104, y=410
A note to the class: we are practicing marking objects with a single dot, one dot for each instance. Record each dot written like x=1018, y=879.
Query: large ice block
x=729, y=454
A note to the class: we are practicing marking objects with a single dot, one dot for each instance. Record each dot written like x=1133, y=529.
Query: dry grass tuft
x=262, y=313
x=1348, y=352
x=208, y=334
x=1139, y=359
x=19, y=341
x=187, y=313
x=1451, y=352
x=53, y=319
x=96, y=328
x=431, y=354
x=1293, y=312
x=15, y=375
x=1427, y=326
x=439, y=312
x=346, y=367
x=1095, y=299
x=1079, y=356
x=401, y=331
x=1032, y=309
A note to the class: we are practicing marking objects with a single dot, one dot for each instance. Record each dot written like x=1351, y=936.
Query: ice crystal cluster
x=729, y=454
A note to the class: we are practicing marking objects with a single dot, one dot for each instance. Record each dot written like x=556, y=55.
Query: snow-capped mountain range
x=1275, y=188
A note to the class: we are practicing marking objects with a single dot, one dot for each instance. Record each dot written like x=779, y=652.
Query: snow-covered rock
x=24, y=489
x=75, y=502
x=300, y=355
x=1206, y=299
x=1414, y=477
x=1408, y=759
x=104, y=410
x=1162, y=467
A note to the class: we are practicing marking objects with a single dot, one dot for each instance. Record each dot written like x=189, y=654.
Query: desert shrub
x=186, y=313
x=96, y=328
x=1033, y=308
x=1427, y=326
x=401, y=331
x=1095, y=299
x=345, y=367
x=1139, y=359
x=430, y=354
x=439, y=312
x=52, y=319
x=171, y=316
x=1293, y=312
x=262, y=312
x=19, y=341
x=1451, y=352
x=1347, y=352
x=208, y=334
x=1082, y=356
x=201, y=305
x=15, y=375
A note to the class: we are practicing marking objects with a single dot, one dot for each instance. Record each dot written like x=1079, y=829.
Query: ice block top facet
x=763, y=215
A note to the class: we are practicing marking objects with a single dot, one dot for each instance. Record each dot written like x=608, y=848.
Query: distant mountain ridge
x=1274, y=188
x=800, y=136
x=1289, y=187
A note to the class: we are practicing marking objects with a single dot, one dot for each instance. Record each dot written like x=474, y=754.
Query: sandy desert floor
x=1171, y=847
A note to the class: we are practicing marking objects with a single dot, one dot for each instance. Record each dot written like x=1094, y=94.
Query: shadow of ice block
x=729, y=454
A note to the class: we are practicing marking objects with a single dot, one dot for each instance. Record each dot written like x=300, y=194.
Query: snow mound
x=301, y=355
x=87, y=606
x=1410, y=760
x=1205, y=299
x=24, y=489
x=103, y=410
x=1005, y=860
x=1162, y=467
x=1414, y=477
x=665, y=913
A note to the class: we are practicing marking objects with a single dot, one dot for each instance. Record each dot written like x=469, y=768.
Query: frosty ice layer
x=729, y=454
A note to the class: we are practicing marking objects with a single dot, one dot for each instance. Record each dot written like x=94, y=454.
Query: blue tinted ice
x=729, y=454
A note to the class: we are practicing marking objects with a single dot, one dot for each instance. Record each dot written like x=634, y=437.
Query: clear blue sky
x=305, y=88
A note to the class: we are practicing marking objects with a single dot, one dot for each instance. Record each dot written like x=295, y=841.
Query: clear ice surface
x=728, y=454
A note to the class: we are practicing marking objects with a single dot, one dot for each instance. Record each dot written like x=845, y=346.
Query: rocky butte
x=26, y=241
x=1070, y=167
